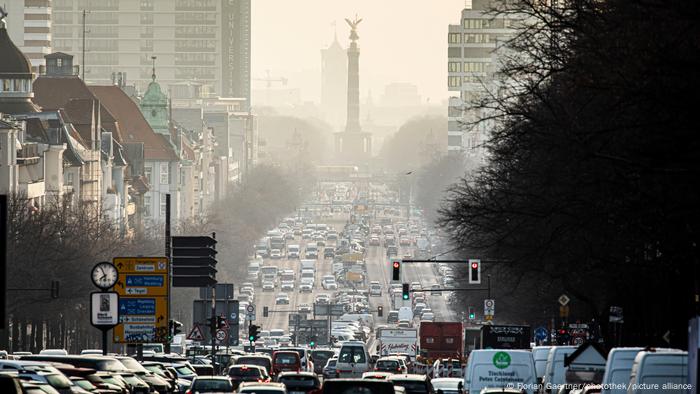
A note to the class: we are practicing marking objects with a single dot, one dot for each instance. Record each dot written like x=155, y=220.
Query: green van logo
x=501, y=360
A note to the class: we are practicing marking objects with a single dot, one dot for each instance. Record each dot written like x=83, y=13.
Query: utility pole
x=168, y=255
x=84, y=31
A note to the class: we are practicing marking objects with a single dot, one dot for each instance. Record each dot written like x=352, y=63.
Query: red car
x=285, y=360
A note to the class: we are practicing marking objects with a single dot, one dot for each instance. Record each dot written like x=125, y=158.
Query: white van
x=405, y=313
x=353, y=360
x=495, y=368
x=660, y=372
x=555, y=371
x=293, y=251
x=539, y=354
x=618, y=368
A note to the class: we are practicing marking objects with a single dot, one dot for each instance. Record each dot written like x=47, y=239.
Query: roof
x=16, y=107
x=133, y=126
x=53, y=93
x=57, y=55
x=14, y=64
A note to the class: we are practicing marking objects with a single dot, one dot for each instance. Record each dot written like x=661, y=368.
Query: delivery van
x=500, y=368
x=618, y=368
x=555, y=371
x=660, y=372
x=540, y=353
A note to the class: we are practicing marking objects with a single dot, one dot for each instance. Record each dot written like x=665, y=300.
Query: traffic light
x=253, y=332
x=475, y=272
x=266, y=311
x=380, y=311
x=396, y=270
x=312, y=342
x=175, y=327
x=220, y=322
x=563, y=337
x=405, y=291
x=472, y=313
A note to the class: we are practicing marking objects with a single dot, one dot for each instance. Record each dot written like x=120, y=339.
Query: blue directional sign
x=145, y=280
x=541, y=333
x=137, y=306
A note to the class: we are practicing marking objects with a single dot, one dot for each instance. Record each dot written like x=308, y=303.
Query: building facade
x=203, y=40
x=472, y=62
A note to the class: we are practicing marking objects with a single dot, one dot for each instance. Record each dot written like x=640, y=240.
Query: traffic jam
x=331, y=304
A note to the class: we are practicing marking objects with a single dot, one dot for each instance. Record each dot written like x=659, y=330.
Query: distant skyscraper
x=472, y=61
x=207, y=41
x=334, y=77
x=29, y=26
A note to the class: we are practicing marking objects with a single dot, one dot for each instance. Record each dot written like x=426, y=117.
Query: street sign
x=564, y=311
x=104, y=307
x=616, y=315
x=541, y=333
x=194, y=261
x=250, y=316
x=564, y=299
x=250, y=308
x=143, y=300
x=489, y=307
x=221, y=335
x=196, y=334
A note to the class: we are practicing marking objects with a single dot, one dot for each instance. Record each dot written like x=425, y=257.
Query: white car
x=429, y=316
x=282, y=298
x=268, y=286
x=275, y=254
x=375, y=289
x=306, y=287
x=304, y=308
x=330, y=284
x=287, y=286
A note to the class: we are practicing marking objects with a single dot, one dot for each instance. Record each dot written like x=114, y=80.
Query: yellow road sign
x=564, y=311
x=142, y=320
x=143, y=289
x=142, y=265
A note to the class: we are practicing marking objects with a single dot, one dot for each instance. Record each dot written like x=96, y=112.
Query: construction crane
x=269, y=80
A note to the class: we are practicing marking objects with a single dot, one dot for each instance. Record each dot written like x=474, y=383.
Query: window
x=163, y=204
x=147, y=5
x=146, y=19
x=454, y=38
x=454, y=140
x=454, y=81
x=477, y=23
x=477, y=67
x=454, y=52
x=164, y=174
x=147, y=204
x=454, y=67
x=352, y=354
x=429, y=340
x=59, y=62
x=148, y=173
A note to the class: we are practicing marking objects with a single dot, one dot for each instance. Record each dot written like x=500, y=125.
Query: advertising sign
x=104, y=309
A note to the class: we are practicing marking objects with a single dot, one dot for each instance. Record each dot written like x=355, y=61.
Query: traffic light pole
x=168, y=256
x=213, y=327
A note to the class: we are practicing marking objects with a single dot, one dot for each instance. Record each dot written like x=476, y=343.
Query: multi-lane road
x=378, y=269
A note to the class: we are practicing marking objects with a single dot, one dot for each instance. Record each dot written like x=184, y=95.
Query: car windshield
x=253, y=360
x=321, y=356
x=244, y=371
x=58, y=381
x=132, y=364
x=184, y=370
x=285, y=358
x=352, y=354
x=389, y=364
x=212, y=385
x=299, y=381
x=85, y=385
x=412, y=387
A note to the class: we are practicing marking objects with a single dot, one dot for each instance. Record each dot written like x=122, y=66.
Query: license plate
x=297, y=392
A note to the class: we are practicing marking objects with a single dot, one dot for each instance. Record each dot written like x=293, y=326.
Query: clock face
x=104, y=275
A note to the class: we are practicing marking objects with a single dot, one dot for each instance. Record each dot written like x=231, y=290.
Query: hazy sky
x=400, y=41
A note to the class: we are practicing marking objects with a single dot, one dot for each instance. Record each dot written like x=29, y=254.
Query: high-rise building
x=30, y=28
x=207, y=41
x=472, y=61
x=334, y=85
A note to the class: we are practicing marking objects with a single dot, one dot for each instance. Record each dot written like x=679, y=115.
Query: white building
x=334, y=84
x=472, y=60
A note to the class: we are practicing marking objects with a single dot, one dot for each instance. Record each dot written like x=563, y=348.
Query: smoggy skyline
x=400, y=41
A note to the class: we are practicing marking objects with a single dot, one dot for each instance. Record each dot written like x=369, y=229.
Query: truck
x=277, y=242
x=262, y=247
x=441, y=339
x=390, y=340
x=505, y=337
x=307, y=264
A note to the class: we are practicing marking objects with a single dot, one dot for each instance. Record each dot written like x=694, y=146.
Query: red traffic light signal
x=475, y=271
x=396, y=270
